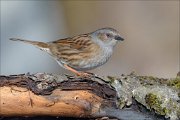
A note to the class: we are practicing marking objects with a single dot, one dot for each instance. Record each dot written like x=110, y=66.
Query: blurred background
x=150, y=29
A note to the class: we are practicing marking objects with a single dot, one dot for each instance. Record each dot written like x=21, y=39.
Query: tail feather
x=36, y=43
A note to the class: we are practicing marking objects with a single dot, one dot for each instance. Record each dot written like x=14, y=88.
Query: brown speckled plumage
x=82, y=52
x=74, y=50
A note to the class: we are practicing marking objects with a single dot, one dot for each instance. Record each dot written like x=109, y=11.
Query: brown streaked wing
x=78, y=42
x=71, y=49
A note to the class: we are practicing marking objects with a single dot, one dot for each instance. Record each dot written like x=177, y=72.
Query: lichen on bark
x=159, y=95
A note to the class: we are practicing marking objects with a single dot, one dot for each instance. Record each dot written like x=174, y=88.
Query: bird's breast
x=95, y=60
x=87, y=59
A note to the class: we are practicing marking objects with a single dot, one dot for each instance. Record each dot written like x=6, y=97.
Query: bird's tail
x=35, y=43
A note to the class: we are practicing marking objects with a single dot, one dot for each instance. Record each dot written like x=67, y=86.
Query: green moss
x=121, y=103
x=111, y=79
x=174, y=83
x=148, y=80
x=154, y=103
x=178, y=113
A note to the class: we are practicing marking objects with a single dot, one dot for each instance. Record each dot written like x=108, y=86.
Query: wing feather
x=78, y=42
x=74, y=50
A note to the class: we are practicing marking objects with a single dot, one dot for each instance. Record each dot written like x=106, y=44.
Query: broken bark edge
x=47, y=95
x=23, y=96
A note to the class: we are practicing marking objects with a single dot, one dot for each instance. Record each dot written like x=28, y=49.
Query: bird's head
x=106, y=36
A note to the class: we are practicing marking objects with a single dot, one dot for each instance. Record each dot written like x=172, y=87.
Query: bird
x=83, y=52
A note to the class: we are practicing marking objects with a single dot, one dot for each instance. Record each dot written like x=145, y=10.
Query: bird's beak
x=117, y=37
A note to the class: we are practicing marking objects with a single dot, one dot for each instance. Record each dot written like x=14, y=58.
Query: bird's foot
x=80, y=74
x=84, y=74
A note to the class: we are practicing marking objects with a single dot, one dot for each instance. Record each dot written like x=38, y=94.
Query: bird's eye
x=109, y=35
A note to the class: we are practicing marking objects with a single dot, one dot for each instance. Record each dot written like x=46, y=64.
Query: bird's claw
x=84, y=74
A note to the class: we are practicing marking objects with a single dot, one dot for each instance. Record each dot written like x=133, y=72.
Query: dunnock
x=82, y=52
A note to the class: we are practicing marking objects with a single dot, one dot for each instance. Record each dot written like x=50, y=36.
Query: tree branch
x=62, y=95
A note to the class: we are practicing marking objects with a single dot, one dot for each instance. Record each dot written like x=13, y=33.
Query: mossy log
x=44, y=94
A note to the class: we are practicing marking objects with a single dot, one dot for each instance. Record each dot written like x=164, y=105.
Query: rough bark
x=61, y=95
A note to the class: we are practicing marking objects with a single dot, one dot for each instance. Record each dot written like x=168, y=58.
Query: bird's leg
x=76, y=72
